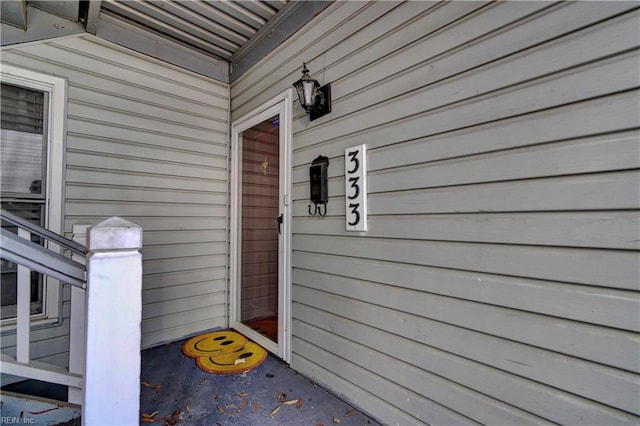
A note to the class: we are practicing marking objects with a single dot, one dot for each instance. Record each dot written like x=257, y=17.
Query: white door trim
x=282, y=105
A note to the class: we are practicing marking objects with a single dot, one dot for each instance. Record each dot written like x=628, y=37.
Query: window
x=32, y=107
x=23, y=147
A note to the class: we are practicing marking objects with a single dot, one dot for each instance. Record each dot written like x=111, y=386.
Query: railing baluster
x=77, y=333
x=24, y=308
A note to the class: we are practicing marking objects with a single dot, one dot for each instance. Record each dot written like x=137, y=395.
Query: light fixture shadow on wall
x=316, y=100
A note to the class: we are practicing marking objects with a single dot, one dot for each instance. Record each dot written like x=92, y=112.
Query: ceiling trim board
x=127, y=34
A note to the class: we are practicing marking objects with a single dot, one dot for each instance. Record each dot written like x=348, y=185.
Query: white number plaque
x=355, y=180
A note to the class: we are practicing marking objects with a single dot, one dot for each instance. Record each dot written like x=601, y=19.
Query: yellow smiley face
x=213, y=344
x=243, y=359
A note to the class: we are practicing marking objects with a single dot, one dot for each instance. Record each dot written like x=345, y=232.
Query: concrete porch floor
x=175, y=391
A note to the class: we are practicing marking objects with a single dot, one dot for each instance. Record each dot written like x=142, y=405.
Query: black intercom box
x=318, y=178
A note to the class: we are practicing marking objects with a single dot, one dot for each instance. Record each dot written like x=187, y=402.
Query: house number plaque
x=355, y=179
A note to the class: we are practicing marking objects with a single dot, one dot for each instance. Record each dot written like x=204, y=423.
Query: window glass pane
x=8, y=294
x=22, y=109
x=260, y=235
x=22, y=147
x=21, y=163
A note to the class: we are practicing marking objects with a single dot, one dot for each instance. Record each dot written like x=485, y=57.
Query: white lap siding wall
x=498, y=281
x=148, y=142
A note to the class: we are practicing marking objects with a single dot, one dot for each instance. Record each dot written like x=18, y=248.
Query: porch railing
x=105, y=314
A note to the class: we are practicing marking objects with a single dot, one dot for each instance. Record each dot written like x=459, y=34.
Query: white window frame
x=56, y=87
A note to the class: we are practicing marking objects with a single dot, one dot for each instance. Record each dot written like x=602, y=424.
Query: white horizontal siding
x=148, y=141
x=499, y=279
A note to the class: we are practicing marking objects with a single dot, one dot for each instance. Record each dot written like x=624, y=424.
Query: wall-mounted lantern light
x=314, y=99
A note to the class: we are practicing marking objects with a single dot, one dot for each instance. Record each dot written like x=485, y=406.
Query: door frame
x=281, y=105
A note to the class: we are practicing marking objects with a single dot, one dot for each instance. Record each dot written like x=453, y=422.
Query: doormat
x=224, y=352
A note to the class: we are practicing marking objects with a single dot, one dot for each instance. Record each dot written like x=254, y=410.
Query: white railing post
x=114, y=312
x=77, y=335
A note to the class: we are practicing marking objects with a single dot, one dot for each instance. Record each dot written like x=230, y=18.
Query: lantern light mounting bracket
x=322, y=105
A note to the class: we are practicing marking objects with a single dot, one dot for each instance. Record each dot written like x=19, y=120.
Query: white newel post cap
x=115, y=233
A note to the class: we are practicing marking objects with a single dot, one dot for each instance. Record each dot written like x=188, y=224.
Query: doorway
x=261, y=225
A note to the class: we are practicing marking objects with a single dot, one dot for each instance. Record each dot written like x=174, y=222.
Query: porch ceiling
x=221, y=39
x=220, y=27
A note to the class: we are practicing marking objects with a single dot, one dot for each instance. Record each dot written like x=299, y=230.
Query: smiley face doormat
x=224, y=352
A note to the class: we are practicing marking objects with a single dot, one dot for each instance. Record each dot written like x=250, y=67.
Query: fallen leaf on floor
x=149, y=416
x=187, y=409
x=242, y=394
x=158, y=388
x=147, y=384
x=290, y=402
x=299, y=404
x=351, y=412
x=229, y=405
x=319, y=424
x=281, y=397
x=216, y=396
x=337, y=420
x=174, y=419
x=255, y=405
x=275, y=410
x=220, y=409
x=244, y=403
